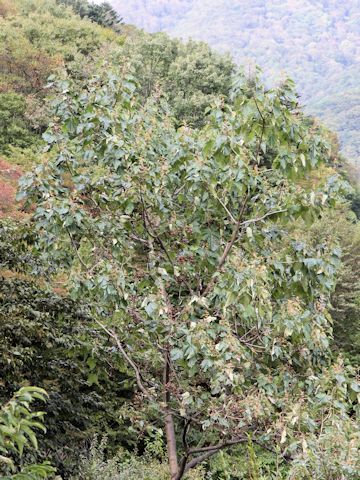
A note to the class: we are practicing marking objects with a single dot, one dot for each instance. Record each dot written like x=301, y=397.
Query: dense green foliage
x=14, y=129
x=48, y=341
x=346, y=298
x=38, y=38
x=191, y=75
x=317, y=43
x=18, y=427
x=188, y=256
x=180, y=272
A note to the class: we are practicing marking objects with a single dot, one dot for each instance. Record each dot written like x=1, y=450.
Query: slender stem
x=76, y=250
x=228, y=246
x=219, y=446
x=259, y=219
x=169, y=421
x=128, y=359
x=150, y=232
x=262, y=130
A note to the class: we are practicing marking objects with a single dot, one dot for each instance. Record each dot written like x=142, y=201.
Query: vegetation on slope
x=173, y=222
x=316, y=43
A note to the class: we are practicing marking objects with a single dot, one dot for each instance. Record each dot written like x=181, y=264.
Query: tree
x=102, y=14
x=24, y=68
x=105, y=15
x=261, y=31
x=183, y=243
x=38, y=38
x=345, y=300
x=80, y=7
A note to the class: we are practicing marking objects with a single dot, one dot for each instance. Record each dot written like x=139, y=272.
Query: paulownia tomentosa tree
x=184, y=243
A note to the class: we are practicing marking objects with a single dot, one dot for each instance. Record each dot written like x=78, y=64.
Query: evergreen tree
x=103, y=14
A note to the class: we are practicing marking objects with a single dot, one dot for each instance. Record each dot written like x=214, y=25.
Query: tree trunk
x=169, y=424
x=171, y=446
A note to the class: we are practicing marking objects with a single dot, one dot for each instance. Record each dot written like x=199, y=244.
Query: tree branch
x=229, y=246
x=262, y=130
x=76, y=250
x=209, y=452
x=182, y=467
x=259, y=219
x=128, y=359
x=169, y=421
x=233, y=220
x=184, y=459
x=186, y=427
x=196, y=461
x=156, y=237
x=219, y=446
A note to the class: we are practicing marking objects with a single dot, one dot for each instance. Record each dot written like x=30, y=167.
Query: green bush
x=14, y=129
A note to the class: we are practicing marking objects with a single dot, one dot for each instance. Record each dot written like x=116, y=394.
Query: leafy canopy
x=102, y=14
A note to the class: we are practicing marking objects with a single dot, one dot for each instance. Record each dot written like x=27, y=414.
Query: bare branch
x=186, y=428
x=182, y=466
x=138, y=239
x=211, y=450
x=196, y=461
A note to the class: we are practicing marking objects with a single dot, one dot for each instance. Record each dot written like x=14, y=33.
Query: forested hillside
x=315, y=42
x=179, y=261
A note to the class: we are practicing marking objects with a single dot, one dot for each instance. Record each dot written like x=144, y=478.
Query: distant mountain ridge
x=316, y=42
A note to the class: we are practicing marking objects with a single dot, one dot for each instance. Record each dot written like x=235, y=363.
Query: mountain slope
x=315, y=42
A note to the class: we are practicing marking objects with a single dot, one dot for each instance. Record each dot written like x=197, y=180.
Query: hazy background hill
x=317, y=42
